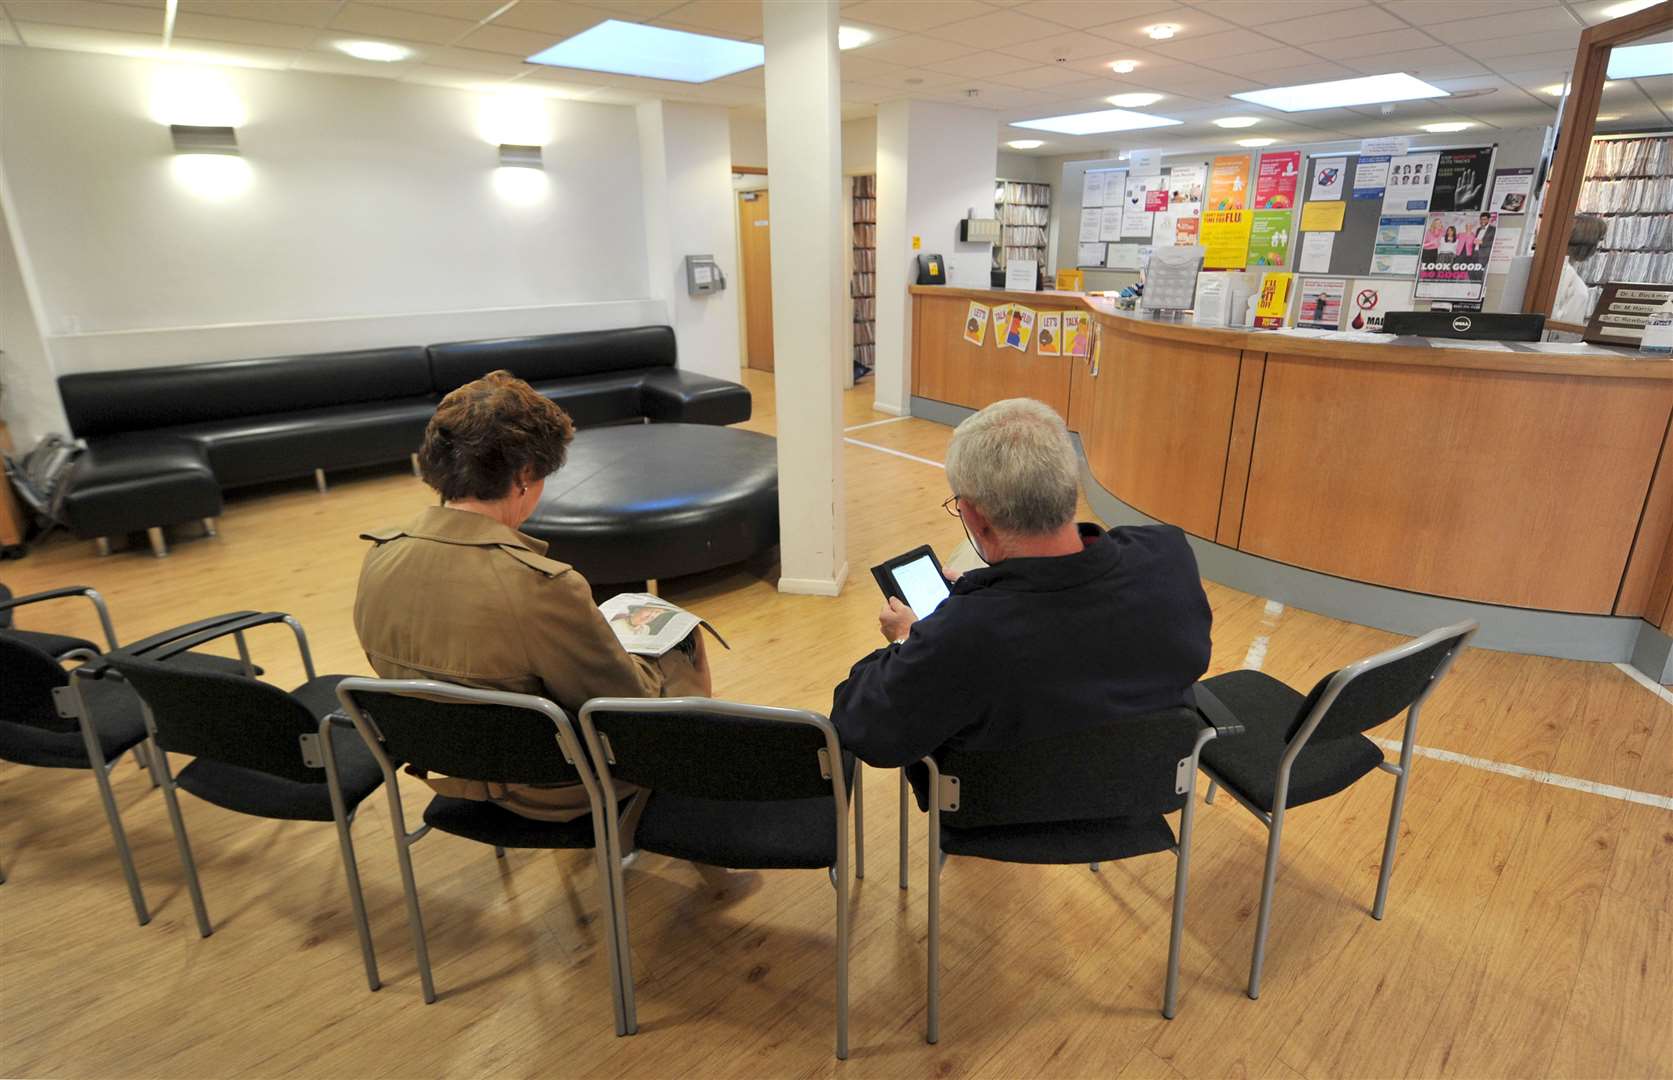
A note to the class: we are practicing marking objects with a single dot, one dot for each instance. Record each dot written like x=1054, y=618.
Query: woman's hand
x=895, y=619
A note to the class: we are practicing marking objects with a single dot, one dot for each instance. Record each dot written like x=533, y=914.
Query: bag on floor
x=40, y=476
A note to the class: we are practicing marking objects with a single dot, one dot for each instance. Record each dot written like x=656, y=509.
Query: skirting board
x=815, y=586
x=1568, y=636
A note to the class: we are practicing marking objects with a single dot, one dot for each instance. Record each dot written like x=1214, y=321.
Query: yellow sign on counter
x=1071, y=281
x=1323, y=216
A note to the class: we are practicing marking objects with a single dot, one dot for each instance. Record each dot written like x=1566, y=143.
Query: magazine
x=649, y=626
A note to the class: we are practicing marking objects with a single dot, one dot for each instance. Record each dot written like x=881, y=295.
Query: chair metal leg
x=618, y=897
x=101, y=545
x=842, y=919
x=184, y=846
x=319, y=480
x=903, y=828
x=603, y=856
x=1213, y=788
x=1394, y=813
x=1181, y=878
x=345, y=845
x=499, y=852
x=932, y=1032
x=209, y=527
x=159, y=543
x=1094, y=867
x=124, y=854
x=416, y=471
x=1276, y=830
x=415, y=920
x=859, y=823
x=2, y=875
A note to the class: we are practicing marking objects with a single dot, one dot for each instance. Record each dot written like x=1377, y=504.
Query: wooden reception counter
x=1501, y=477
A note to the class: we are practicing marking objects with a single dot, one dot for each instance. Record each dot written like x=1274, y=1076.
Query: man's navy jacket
x=1036, y=647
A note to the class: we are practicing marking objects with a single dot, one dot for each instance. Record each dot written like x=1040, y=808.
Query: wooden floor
x=1529, y=931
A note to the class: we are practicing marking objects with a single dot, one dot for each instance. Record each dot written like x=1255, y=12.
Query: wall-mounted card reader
x=702, y=275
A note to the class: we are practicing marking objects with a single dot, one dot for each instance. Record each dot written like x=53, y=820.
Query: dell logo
x=1461, y=324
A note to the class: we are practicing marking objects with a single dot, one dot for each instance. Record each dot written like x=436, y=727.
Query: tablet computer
x=915, y=579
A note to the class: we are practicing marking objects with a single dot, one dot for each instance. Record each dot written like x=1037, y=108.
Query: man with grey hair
x=1066, y=627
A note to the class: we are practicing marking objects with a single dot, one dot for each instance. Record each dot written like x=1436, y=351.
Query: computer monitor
x=1472, y=325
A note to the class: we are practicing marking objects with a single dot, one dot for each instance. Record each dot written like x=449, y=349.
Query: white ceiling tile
x=981, y=65
x=292, y=12
x=1436, y=62
x=204, y=51
x=87, y=39
x=868, y=92
x=1318, y=71
x=865, y=69
x=1071, y=46
x=1431, y=12
x=1193, y=81
x=1045, y=78
x=1336, y=24
x=453, y=78
x=1561, y=60
x=557, y=21
x=7, y=36
x=1388, y=41
x=87, y=13
x=1257, y=62
x=996, y=96
x=920, y=80
x=1131, y=31
x=621, y=9
x=1000, y=27
x=360, y=17
x=468, y=10
x=243, y=31
x=1259, y=12
x=1212, y=46
x=754, y=78
x=474, y=60
x=507, y=41
x=733, y=18
x=1467, y=32
x=1081, y=14
x=919, y=16
x=911, y=49
x=1521, y=44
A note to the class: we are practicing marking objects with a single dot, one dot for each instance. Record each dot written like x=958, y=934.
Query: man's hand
x=952, y=576
x=895, y=619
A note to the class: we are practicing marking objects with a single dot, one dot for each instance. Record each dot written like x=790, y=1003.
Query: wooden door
x=754, y=217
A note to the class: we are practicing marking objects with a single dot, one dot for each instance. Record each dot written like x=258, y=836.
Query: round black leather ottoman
x=648, y=501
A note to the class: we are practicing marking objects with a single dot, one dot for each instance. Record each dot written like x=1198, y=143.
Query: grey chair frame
x=1402, y=773
x=163, y=776
x=946, y=798
x=830, y=764
x=569, y=744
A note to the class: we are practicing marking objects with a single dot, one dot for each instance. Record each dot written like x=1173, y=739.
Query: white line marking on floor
x=1648, y=683
x=878, y=423
x=1273, y=610
x=896, y=453
x=1256, y=656
x=1538, y=776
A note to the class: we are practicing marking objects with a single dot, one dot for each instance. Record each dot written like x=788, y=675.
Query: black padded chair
x=1095, y=796
x=745, y=787
x=257, y=749
x=49, y=720
x=1302, y=749
x=486, y=735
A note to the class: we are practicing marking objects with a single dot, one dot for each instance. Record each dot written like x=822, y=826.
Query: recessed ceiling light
x=852, y=37
x=1256, y=142
x=1640, y=61
x=1442, y=129
x=1124, y=67
x=1134, y=101
x=1602, y=119
x=1025, y=144
x=1344, y=93
x=653, y=52
x=1095, y=123
x=1236, y=121
x=381, y=51
x=1627, y=8
x=1161, y=31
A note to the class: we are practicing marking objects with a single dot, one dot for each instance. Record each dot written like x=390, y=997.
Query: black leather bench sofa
x=164, y=442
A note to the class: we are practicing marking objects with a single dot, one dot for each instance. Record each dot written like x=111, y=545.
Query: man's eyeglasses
x=951, y=506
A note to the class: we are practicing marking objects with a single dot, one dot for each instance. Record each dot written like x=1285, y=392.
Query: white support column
x=804, y=160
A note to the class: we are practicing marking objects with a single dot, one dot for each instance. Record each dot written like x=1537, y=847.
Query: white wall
x=859, y=142
x=29, y=401
x=372, y=218
x=685, y=154
x=935, y=163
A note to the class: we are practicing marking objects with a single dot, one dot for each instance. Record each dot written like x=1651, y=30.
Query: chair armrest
x=146, y=645
x=172, y=643
x=677, y=396
x=59, y=594
x=1214, y=711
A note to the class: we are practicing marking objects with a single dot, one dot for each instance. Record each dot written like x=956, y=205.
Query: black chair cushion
x=552, y=356
x=660, y=501
x=794, y=834
x=117, y=720
x=280, y=446
x=54, y=645
x=134, y=482
x=487, y=823
x=685, y=397
x=1249, y=763
x=259, y=794
x=1062, y=842
x=591, y=400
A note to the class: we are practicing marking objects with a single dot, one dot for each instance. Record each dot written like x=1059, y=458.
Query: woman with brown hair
x=459, y=595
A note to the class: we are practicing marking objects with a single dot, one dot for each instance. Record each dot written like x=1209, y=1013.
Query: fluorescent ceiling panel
x=1641, y=61
x=1343, y=93
x=653, y=52
x=1096, y=123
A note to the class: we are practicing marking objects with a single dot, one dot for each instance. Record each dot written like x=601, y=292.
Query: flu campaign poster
x=1275, y=180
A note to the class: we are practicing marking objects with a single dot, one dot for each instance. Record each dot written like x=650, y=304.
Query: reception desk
x=1518, y=479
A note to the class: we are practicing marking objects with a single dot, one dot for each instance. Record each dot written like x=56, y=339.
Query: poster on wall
x=1020, y=330
x=1512, y=188
x=1077, y=334
x=1186, y=231
x=1504, y=249
x=1049, y=340
x=1315, y=252
x=1329, y=177
x=1321, y=303
x=1092, y=189
x=1273, y=304
x=1456, y=248
x=1269, y=238
x=1225, y=239
x=1228, y=182
x=976, y=324
x=1371, y=177
x=1109, y=223
x=1115, y=188
x=1135, y=219
x=1089, y=218
x=1089, y=255
x=1461, y=180
x=1001, y=315
x=1411, y=180
x=1395, y=248
x=1374, y=299
x=1275, y=180
x=1179, y=224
